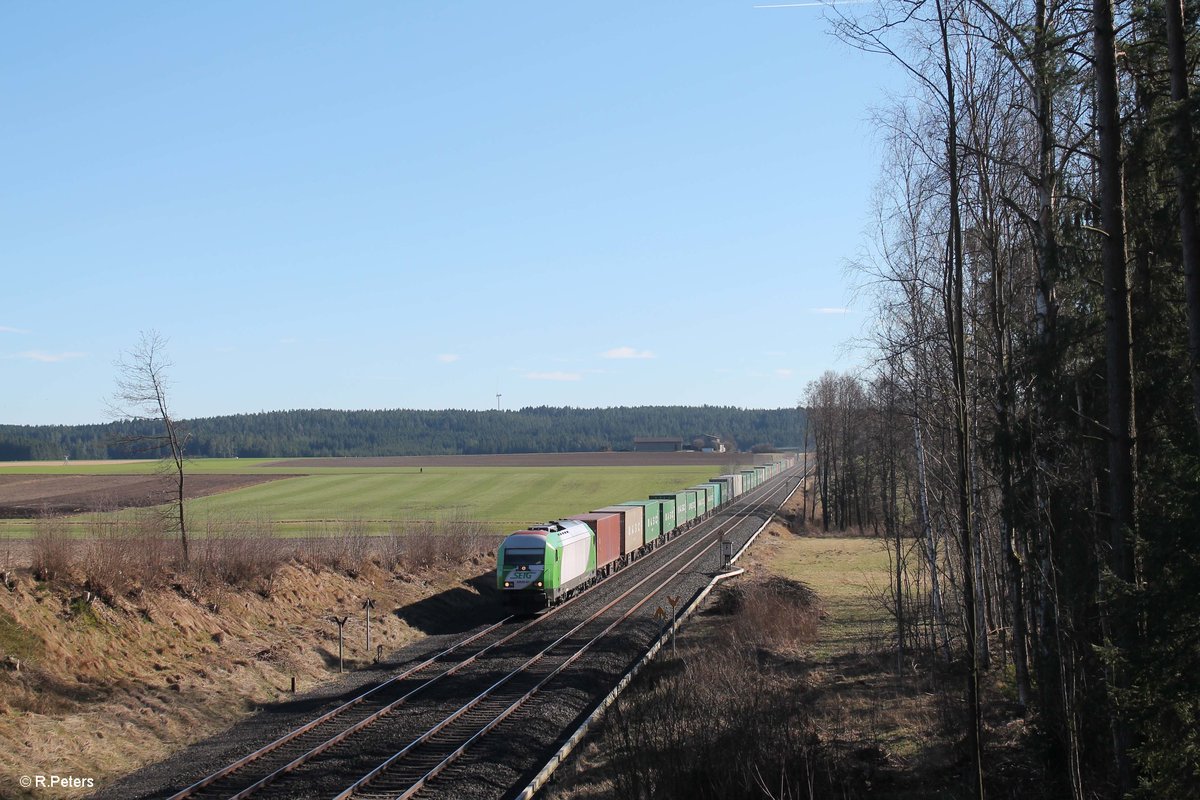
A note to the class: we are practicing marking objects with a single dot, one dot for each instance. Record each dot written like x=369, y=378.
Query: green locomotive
x=546, y=564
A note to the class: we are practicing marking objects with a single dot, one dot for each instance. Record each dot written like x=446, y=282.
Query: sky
x=424, y=204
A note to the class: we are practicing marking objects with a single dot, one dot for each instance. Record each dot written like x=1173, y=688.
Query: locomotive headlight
x=508, y=584
x=539, y=583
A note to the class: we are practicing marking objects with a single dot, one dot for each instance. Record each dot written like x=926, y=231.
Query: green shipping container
x=731, y=486
x=711, y=498
x=749, y=478
x=683, y=512
x=652, y=521
x=670, y=516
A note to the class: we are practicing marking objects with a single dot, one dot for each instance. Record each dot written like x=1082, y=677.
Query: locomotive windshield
x=519, y=558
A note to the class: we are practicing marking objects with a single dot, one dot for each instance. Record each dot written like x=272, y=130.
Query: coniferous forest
x=401, y=432
x=1028, y=435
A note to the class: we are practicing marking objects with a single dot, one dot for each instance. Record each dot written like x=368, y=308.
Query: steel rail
x=292, y=735
x=576, y=737
x=312, y=724
x=241, y=763
x=510, y=709
x=375, y=716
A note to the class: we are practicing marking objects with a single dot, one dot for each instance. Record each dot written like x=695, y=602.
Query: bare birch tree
x=141, y=396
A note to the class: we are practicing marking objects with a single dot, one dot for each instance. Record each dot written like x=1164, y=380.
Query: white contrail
x=811, y=5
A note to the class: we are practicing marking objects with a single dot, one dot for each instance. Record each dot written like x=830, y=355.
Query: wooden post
x=368, y=604
x=674, y=620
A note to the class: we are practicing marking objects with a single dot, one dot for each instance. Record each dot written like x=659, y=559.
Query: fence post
x=368, y=604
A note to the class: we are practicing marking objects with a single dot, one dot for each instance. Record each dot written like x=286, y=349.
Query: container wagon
x=732, y=484
x=717, y=493
x=674, y=511
x=633, y=534
x=546, y=564
x=652, y=520
x=693, y=504
x=607, y=530
x=706, y=498
x=679, y=502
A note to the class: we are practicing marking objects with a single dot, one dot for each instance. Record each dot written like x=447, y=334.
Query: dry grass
x=791, y=690
x=126, y=654
x=891, y=729
x=52, y=548
x=119, y=557
x=849, y=576
x=721, y=720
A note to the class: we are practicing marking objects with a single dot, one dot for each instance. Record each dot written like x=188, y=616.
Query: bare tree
x=141, y=395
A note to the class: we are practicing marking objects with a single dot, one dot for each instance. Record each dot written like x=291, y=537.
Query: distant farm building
x=657, y=444
x=709, y=443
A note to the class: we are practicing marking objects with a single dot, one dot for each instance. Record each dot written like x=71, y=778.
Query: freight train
x=546, y=564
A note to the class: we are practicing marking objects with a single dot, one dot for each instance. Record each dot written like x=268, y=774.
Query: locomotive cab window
x=518, y=558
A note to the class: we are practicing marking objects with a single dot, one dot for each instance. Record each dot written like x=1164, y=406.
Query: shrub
x=52, y=546
x=718, y=723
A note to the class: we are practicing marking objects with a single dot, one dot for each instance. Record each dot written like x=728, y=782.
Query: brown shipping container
x=633, y=535
x=607, y=528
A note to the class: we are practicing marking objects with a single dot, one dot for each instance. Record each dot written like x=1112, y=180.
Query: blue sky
x=421, y=204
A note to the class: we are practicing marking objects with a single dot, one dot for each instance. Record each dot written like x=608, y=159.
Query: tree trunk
x=1184, y=157
x=892, y=511
x=1122, y=475
x=804, y=472
x=962, y=427
x=929, y=544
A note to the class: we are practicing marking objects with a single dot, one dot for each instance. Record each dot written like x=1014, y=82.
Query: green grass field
x=503, y=497
x=848, y=574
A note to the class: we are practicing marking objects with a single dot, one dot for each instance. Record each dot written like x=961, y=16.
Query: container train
x=546, y=564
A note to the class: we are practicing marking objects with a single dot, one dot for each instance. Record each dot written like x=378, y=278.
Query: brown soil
x=103, y=689
x=27, y=496
x=94, y=462
x=681, y=459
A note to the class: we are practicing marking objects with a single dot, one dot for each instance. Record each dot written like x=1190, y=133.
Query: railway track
x=351, y=751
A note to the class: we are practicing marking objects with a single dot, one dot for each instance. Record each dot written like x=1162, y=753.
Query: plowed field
x=26, y=496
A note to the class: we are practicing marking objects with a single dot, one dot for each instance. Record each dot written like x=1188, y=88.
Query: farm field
x=25, y=496
x=709, y=461
x=850, y=575
x=315, y=499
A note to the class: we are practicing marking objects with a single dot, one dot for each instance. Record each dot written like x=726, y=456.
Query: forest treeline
x=304, y=433
x=1027, y=435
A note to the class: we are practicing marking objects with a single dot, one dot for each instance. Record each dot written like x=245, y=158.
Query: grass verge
x=114, y=654
x=788, y=687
